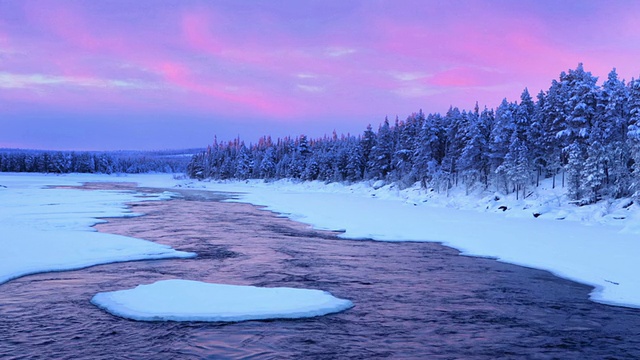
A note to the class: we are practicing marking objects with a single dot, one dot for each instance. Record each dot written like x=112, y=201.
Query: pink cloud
x=214, y=94
x=211, y=34
x=217, y=86
x=268, y=54
x=291, y=62
x=220, y=86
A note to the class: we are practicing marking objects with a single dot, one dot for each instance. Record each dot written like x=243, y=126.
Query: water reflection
x=412, y=300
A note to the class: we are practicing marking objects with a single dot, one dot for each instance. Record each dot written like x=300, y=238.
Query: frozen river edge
x=596, y=254
x=599, y=255
x=49, y=229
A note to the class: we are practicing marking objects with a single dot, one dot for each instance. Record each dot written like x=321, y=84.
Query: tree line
x=92, y=162
x=583, y=135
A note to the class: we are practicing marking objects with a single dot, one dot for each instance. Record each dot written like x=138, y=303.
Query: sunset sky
x=122, y=74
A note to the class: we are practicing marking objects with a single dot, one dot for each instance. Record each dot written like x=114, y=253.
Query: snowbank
x=182, y=300
x=43, y=229
x=595, y=245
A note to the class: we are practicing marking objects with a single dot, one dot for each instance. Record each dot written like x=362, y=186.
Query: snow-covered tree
x=587, y=133
x=633, y=134
x=427, y=149
x=474, y=158
x=579, y=112
x=501, y=135
x=382, y=152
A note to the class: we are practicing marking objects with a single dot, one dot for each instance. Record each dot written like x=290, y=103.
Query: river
x=412, y=300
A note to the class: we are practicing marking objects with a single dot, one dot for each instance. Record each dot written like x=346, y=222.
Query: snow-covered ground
x=596, y=244
x=182, y=300
x=45, y=230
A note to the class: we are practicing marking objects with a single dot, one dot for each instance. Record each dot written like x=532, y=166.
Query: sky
x=158, y=74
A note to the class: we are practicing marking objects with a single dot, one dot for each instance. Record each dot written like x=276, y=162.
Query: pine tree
x=382, y=152
x=610, y=130
x=355, y=161
x=536, y=137
x=579, y=112
x=367, y=143
x=474, y=157
x=633, y=134
x=268, y=163
x=553, y=121
x=501, y=136
x=403, y=156
x=594, y=170
x=243, y=164
x=427, y=149
x=518, y=160
x=454, y=140
x=575, y=165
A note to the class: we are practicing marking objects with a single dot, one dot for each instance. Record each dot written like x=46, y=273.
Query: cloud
x=23, y=81
x=230, y=59
x=306, y=76
x=408, y=76
x=339, y=51
x=311, y=88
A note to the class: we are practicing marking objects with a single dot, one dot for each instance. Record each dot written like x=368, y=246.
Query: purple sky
x=122, y=74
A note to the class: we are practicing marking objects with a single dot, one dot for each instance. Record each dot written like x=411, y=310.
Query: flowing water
x=412, y=300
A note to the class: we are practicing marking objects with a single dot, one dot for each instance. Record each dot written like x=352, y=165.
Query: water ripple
x=412, y=300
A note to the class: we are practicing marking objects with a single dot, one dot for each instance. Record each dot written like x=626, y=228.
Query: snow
x=595, y=244
x=44, y=229
x=184, y=300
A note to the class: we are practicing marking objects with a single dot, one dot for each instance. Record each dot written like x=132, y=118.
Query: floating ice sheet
x=185, y=300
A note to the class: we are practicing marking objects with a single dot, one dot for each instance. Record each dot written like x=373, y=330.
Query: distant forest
x=584, y=136
x=95, y=162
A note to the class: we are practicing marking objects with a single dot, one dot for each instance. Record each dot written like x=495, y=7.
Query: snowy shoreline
x=594, y=245
x=47, y=230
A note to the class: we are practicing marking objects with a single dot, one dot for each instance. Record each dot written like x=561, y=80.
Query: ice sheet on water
x=595, y=244
x=185, y=300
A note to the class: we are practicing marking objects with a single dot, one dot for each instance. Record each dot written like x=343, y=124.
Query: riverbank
x=412, y=299
x=595, y=245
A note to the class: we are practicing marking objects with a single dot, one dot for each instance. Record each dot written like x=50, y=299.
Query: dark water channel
x=412, y=300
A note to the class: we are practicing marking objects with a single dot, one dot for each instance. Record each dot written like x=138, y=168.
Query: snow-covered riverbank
x=596, y=244
x=45, y=230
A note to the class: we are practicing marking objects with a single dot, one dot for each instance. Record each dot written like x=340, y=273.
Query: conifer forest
x=584, y=136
